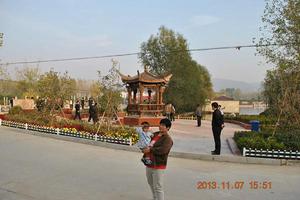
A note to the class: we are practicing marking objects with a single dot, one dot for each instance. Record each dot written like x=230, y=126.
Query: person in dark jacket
x=217, y=126
x=159, y=148
x=77, y=110
x=198, y=114
x=91, y=104
x=95, y=113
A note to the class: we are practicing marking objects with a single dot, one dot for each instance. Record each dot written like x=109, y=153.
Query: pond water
x=251, y=110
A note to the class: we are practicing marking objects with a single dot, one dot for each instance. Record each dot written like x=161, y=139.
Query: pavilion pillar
x=129, y=95
x=157, y=94
x=134, y=95
x=141, y=88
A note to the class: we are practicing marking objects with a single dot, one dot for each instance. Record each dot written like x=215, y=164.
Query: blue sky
x=36, y=30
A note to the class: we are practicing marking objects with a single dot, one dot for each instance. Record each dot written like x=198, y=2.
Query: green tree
x=110, y=88
x=282, y=84
x=167, y=52
x=27, y=80
x=56, y=89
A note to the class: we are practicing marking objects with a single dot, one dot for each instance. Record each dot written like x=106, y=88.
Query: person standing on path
x=91, y=104
x=168, y=110
x=217, y=126
x=198, y=114
x=77, y=110
x=159, y=148
x=173, y=111
x=94, y=113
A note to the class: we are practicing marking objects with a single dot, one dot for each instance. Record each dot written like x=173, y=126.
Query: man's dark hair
x=145, y=124
x=215, y=105
x=166, y=122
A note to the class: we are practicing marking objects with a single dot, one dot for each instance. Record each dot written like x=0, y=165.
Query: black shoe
x=215, y=153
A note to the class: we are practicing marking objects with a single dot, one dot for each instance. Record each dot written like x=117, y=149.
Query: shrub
x=15, y=110
x=265, y=140
x=291, y=139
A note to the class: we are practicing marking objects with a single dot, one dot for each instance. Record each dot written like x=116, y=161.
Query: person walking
x=82, y=101
x=77, y=110
x=198, y=114
x=217, y=126
x=168, y=110
x=173, y=111
x=95, y=113
x=91, y=104
x=159, y=148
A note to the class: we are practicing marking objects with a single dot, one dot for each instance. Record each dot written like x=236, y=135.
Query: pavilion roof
x=145, y=77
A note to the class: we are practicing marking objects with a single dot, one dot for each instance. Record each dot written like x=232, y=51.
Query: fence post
x=244, y=151
x=0, y=122
x=26, y=126
x=96, y=137
x=57, y=131
x=130, y=141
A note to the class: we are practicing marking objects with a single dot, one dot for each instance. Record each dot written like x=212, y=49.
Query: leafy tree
x=282, y=84
x=27, y=81
x=110, y=88
x=95, y=89
x=55, y=89
x=7, y=86
x=167, y=52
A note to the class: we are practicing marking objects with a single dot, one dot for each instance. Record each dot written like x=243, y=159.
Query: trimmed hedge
x=264, y=120
x=284, y=140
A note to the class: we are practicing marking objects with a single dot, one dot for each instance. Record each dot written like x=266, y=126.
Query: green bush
x=291, y=139
x=264, y=140
x=15, y=110
x=264, y=120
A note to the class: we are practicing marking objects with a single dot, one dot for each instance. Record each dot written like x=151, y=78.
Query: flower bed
x=71, y=132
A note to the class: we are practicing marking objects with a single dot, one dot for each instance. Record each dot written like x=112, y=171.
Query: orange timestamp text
x=234, y=185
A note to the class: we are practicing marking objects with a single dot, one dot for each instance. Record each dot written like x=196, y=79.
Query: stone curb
x=193, y=156
x=233, y=147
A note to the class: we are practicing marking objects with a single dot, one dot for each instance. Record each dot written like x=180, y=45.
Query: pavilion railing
x=146, y=108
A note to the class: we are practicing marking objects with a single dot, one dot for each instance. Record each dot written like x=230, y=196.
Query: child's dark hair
x=166, y=122
x=215, y=105
x=145, y=124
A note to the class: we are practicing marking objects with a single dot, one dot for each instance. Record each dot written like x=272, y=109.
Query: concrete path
x=39, y=168
x=192, y=139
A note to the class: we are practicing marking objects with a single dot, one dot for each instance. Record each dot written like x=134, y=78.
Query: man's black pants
x=199, y=120
x=217, y=139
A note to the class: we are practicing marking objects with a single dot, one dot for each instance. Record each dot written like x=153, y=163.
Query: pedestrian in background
x=198, y=114
x=77, y=110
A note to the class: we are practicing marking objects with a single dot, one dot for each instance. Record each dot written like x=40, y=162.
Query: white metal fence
x=280, y=154
x=66, y=132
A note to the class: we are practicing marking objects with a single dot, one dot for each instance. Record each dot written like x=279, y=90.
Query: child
x=144, y=140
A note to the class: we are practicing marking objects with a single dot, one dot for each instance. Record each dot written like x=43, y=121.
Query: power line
x=136, y=53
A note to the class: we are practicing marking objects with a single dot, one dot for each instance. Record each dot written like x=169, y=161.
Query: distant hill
x=219, y=84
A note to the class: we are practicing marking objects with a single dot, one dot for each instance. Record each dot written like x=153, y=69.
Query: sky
x=41, y=30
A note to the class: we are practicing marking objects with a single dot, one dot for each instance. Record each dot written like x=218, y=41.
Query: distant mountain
x=219, y=84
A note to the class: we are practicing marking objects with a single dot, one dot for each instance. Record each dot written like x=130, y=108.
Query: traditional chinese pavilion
x=145, y=97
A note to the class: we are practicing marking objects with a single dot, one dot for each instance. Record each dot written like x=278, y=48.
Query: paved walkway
x=39, y=168
x=192, y=139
